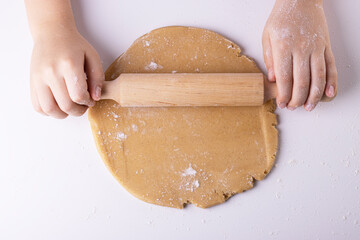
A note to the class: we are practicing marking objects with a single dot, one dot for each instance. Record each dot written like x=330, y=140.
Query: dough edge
x=268, y=116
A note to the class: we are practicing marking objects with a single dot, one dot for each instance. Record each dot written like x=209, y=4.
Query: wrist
x=48, y=18
x=50, y=29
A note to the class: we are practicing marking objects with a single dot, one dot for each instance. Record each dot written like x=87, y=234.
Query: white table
x=53, y=184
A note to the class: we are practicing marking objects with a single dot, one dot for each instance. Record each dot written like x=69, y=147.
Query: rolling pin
x=189, y=89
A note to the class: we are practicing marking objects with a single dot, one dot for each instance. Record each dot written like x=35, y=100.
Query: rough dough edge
x=269, y=130
x=270, y=135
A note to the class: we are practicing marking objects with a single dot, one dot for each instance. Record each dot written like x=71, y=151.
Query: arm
x=298, y=53
x=66, y=74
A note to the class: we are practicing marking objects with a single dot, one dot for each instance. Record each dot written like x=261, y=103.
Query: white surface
x=53, y=184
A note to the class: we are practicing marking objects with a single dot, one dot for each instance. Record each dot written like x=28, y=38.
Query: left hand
x=298, y=54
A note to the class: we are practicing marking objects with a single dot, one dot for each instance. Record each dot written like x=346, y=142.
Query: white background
x=53, y=184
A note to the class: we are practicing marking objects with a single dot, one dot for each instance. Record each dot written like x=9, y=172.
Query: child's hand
x=298, y=54
x=66, y=74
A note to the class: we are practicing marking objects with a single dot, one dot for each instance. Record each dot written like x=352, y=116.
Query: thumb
x=268, y=57
x=95, y=74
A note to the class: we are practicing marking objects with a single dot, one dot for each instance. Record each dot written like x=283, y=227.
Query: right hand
x=66, y=74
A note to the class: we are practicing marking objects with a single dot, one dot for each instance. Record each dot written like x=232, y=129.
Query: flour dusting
x=189, y=183
x=134, y=127
x=191, y=186
x=153, y=66
x=115, y=115
x=189, y=171
x=121, y=136
x=76, y=79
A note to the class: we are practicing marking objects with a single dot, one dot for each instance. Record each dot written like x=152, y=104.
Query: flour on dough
x=175, y=156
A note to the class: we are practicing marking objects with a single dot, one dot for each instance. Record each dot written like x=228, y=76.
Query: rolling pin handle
x=270, y=90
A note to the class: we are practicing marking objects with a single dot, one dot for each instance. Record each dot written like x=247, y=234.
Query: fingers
x=76, y=83
x=331, y=74
x=283, y=73
x=35, y=101
x=95, y=74
x=48, y=104
x=65, y=103
x=311, y=78
x=50, y=94
x=318, y=80
x=300, y=91
x=268, y=57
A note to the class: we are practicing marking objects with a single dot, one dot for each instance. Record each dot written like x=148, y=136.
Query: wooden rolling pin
x=189, y=89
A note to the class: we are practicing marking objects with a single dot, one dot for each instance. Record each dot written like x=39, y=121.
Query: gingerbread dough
x=175, y=156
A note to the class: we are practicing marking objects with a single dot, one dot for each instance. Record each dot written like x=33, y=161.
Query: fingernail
x=309, y=107
x=281, y=105
x=98, y=93
x=291, y=108
x=331, y=91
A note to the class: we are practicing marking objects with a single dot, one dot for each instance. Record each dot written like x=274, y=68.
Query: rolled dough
x=175, y=156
